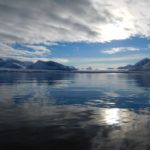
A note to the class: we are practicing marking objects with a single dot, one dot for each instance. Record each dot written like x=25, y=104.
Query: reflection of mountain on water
x=50, y=78
x=98, y=90
x=142, y=80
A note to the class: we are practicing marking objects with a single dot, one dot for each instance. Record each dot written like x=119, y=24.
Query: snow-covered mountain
x=126, y=67
x=49, y=65
x=12, y=64
x=142, y=65
x=39, y=65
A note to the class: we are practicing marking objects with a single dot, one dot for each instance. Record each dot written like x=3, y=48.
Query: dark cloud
x=31, y=19
x=38, y=21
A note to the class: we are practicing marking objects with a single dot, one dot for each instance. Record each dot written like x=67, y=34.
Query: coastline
x=69, y=71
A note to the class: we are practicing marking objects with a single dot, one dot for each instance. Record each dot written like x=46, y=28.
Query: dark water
x=75, y=111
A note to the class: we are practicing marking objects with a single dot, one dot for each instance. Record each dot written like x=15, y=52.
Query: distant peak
x=143, y=64
x=145, y=59
x=39, y=61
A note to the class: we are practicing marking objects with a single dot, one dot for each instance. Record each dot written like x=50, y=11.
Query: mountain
x=39, y=65
x=49, y=65
x=126, y=67
x=142, y=65
x=11, y=63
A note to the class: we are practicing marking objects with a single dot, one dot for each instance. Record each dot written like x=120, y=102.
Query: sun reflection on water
x=111, y=116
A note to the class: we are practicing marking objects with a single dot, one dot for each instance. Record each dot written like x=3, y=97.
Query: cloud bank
x=46, y=21
x=120, y=49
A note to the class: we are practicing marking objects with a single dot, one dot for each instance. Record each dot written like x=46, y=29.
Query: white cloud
x=44, y=21
x=7, y=51
x=39, y=50
x=59, y=60
x=120, y=49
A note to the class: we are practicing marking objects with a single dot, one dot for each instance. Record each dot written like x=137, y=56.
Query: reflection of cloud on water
x=99, y=128
x=111, y=90
x=55, y=111
x=124, y=130
x=112, y=94
x=24, y=92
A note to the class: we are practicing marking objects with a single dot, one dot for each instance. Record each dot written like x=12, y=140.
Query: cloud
x=34, y=59
x=38, y=53
x=44, y=21
x=60, y=60
x=7, y=51
x=82, y=20
x=31, y=51
x=39, y=50
x=120, y=49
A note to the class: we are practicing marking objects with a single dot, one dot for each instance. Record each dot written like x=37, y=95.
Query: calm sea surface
x=75, y=111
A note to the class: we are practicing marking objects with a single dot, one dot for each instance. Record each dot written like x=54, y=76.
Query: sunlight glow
x=115, y=31
x=111, y=116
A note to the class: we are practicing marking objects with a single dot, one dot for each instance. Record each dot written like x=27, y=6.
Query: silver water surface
x=75, y=111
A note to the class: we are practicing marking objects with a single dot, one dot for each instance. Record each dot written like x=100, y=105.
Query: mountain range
x=8, y=63
x=39, y=65
x=142, y=65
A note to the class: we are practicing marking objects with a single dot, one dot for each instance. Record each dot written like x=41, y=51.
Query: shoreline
x=68, y=71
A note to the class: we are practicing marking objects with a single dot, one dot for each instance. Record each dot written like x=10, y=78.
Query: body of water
x=73, y=111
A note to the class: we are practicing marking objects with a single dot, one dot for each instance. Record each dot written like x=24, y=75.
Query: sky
x=81, y=33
